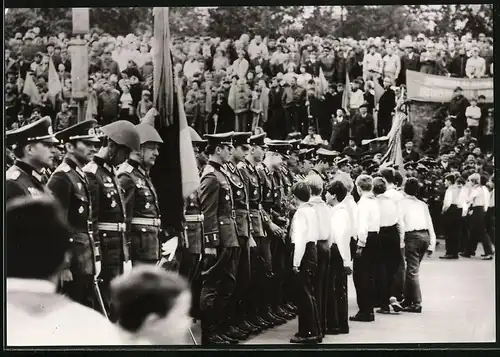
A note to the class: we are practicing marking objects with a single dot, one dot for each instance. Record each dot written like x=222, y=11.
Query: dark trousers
x=81, y=290
x=490, y=223
x=416, y=244
x=321, y=281
x=288, y=284
x=239, y=301
x=477, y=232
x=291, y=120
x=336, y=307
x=452, y=220
x=241, y=121
x=190, y=269
x=261, y=277
x=390, y=259
x=279, y=253
x=307, y=310
x=218, y=284
x=363, y=275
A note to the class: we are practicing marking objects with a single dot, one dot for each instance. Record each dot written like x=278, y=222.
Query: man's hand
x=169, y=247
x=127, y=267
x=295, y=270
x=97, y=268
x=276, y=230
x=251, y=242
x=347, y=270
x=359, y=251
x=210, y=251
x=66, y=276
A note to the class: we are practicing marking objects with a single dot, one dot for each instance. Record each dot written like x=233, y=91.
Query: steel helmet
x=148, y=134
x=124, y=133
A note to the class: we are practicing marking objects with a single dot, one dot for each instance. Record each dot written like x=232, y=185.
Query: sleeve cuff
x=361, y=243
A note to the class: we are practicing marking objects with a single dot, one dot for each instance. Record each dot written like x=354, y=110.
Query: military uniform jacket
x=107, y=208
x=140, y=201
x=267, y=183
x=240, y=199
x=69, y=185
x=22, y=180
x=194, y=229
x=252, y=182
x=216, y=200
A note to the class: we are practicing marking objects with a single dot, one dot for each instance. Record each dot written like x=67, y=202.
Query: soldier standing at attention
x=265, y=169
x=239, y=187
x=69, y=185
x=192, y=253
x=221, y=248
x=108, y=207
x=141, y=201
x=34, y=150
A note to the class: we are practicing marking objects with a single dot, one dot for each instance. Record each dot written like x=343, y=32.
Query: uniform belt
x=256, y=206
x=195, y=218
x=155, y=222
x=112, y=227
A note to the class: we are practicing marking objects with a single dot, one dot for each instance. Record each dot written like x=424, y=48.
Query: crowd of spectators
x=283, y=85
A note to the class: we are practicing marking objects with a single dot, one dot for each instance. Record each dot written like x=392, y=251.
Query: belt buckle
x=157, y=222
x=233, y=213
x=122, y=227
x=201, y=216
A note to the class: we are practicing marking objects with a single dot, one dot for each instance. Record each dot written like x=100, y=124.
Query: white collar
x=340, y=205
x=30, y=285
x=316, y=199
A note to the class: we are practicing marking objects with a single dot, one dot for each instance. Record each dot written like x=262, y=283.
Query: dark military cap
x=422, y=168
x=367, y=162
x=364, y=105
x=306, y=154
x=339, y=161
x=310, y=146
x=326, y=155
x=458, y=89
x=427, y=161
x=40, y=130
x=258, y=140
x=279, y=146
x=84, y=131
x=241, y=138
x=219, y=139
x=410, y=165
x=295, y=144
x=200, y=144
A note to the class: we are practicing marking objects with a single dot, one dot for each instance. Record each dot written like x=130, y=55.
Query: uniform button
x=227, y=198
x=221, y=223
x=71, y=240
x=238, y=193
x=144, y=229
x=191, y=204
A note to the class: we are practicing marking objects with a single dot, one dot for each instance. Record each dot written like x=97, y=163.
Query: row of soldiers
x=237, y=252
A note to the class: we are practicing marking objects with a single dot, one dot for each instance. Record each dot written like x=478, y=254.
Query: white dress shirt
x=368, y=217
x=304, y=229
x=340, y=223
x=492, y=199
x=37, y=316
x=451, y=197
x=352, y=208
x=323, y=215
x=462, y=200
x=390, y=214
x=357, y=99
x=416, y=217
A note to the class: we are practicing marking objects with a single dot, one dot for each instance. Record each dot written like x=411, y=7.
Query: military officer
x=108, y=207
x=141, y=201
x=34, y=150
x=306, y=158
x=221, y=247
x=192, y=252
x=69, y=185
x=239, y=303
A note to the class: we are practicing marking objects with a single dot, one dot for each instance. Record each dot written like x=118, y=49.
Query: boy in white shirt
x=303, y=234
x=473, y=114
x=340, y=261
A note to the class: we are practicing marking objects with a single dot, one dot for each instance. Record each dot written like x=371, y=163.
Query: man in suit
x=410, y=61
x=34, y=147
x=69, y=185
x=37, y=243
x=409, y=154
x=386, y=105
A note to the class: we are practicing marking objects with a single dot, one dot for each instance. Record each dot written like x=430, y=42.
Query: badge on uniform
x=33, y=191
x=147, y=205
x=80, y=210
x=79, y=184
x=238, y=193
x=107, y=179
x=227, y=198
x=113, y=204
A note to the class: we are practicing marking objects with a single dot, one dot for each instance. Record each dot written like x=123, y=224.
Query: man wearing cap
x=221, y=247
x=108, y=207
x=409, y=61
x=34, y=149
x=260, y=257
x=456, y=109
x=238, y=308
x=306, y=157
x=325, y=160
x=275, y=224
x=140, y=198
x=69, y=185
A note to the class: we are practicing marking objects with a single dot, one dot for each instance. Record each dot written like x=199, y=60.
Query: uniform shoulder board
x=207, y=170
x=284, y=170
x=230, y=166
x=12, y=174
x=64, y=167
x=90, y=167
x=125, y=168
x=241, y=165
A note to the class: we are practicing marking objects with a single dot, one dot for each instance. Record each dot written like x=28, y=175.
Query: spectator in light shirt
x=419, y=239
x=257, y=48
x=476, y=66
x=473, y=114
x=372, y=64
x=357, y=97
x=392, y=64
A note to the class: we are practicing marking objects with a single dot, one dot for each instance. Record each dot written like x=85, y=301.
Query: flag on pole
x=346, y=96
x=54, y=84
x=175, y=174
x=31, y=89
x=378, y=91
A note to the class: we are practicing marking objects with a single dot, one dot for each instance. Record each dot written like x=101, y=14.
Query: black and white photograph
x=212, y=177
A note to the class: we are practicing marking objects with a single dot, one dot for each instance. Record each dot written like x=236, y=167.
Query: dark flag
x=175, y=174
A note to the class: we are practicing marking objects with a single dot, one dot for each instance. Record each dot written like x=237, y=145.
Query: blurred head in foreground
x=153, y=305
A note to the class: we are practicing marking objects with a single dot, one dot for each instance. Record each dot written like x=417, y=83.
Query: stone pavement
x=458, y=306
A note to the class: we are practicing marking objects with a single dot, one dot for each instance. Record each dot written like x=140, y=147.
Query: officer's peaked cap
x=84, y=131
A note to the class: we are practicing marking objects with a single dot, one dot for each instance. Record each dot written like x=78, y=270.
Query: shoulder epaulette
x=208, y=170
x=230, y=166
x=64, y=167
x=284, y=170
x=12, y=174
x=125, y=168
x=90, y=167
